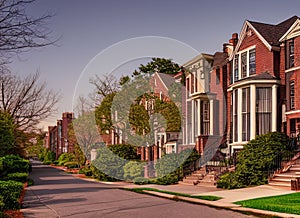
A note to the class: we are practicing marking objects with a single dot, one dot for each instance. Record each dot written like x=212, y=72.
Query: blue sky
x=88, y=27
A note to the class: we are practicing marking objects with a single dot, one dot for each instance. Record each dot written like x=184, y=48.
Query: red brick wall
x=264, y=57
x=297, y=51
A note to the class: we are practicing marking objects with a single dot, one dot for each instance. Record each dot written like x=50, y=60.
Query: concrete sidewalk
x=228, y=196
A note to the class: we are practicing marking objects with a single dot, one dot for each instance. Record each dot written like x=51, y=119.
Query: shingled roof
x=272, y=33
x=220, y=59
x=168, y=80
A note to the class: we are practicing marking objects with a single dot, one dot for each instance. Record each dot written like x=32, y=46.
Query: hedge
x=19, y=177
x=11, y=191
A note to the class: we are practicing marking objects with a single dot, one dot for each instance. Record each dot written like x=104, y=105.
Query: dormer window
x=244, y=64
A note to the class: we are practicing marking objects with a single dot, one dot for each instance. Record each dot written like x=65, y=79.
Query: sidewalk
x=228, y=196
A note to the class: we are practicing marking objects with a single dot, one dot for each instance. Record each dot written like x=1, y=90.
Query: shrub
x=97, y=174
x=71, y=165
x=171, y=178
x=49, y=157
x=20, y=177
x=86, y=171
x=65, y=157
x=14, y=164
x=141, y=181
x=253, y=162
x=11, y=191
x=133, y=169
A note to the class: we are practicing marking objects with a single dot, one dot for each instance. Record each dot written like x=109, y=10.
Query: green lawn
x=289, y=203
x=203, y=197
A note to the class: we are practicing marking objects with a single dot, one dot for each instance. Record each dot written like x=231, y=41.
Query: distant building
x=57, y=136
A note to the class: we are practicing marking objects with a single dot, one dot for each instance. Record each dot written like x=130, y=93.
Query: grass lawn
x=203, y=197
x=289, y=203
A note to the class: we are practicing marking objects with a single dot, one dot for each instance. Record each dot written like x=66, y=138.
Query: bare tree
x=19, y=31
x=25, y=99
x=105, y=85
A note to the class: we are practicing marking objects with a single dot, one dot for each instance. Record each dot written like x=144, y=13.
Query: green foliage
x=49, y=157
x=139, y=119
x=7, y=137
x=171, y=113
x=79, y=155
x=254, y=161
x=19, y=177
x=86, y=170
x=141, y=181
x=65, y=157
x=2, y=206
x=11, y=191
x=133, y=169
x=125, y=151
x=14, y=164
x=71, y=165
x=110, y=161
x=103, y=113
x=160, y=65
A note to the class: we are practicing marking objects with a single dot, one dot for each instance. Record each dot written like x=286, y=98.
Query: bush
x=65, y=157
x=20, y=177
x=253, y=162
x=49, y=157
x=11, y=191
x=71, y=165
x=97, y=174
x=133, y=169
x=141, y=181
x=14, y=164
x=171, y=178
x=86, y=171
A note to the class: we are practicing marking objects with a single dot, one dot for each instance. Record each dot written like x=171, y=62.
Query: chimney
x=233, y=41
x=225, y=48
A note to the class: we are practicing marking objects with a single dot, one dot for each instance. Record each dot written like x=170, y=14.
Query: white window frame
x=240, y=63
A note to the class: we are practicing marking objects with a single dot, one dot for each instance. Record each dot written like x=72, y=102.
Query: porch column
x=274, y=108
x=198, y=117
x=211, y=117
x=252, y=112
x=193, y=122
x=239, y=115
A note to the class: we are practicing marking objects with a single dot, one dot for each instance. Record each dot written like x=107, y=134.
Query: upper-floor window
x=217, y=76
x=292, y=95
x=244, y=64
x=236, y=68
x=252, y=62
x=290, y=53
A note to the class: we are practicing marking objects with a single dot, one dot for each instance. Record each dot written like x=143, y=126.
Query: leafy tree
x=103, y=113
x=7, y=137
x=160, y=65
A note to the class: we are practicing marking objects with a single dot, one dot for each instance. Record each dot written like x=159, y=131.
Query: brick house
x=57, y=136
x=256, y=82
x=289, y=71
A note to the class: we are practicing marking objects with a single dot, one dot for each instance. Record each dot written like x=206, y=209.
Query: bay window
x=246, y=114
x=263, y=110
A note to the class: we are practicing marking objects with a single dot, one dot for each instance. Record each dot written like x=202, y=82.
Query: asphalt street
x=57, y=194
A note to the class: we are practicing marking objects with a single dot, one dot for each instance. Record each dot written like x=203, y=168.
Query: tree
x=20, y=32
x=7, y=138
x=25, y=99
x=160, y=65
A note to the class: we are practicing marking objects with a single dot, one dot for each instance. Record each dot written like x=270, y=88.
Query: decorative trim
x=285, y=36
x=292, y=112
x=292, y=69
x=244, y=83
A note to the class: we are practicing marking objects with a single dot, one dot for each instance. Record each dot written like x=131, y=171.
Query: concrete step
x=281, y=179
x=282, y=184
x=194, y=177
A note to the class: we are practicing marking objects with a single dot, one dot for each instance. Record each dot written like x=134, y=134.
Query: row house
x=262, y=70
x=57, y=137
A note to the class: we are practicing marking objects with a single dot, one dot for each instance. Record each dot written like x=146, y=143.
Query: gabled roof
x=272, y=33
x=269, y=34
x=166, y=79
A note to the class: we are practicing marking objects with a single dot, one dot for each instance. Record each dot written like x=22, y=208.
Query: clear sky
x=87, y=27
